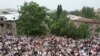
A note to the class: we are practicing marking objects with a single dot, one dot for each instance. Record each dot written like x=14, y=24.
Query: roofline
x=95, y=22
x=10, y=20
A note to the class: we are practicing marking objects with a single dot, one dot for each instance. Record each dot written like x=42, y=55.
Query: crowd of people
x=48, y=46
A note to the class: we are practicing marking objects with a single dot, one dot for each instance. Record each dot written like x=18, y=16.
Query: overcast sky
x=52, y=4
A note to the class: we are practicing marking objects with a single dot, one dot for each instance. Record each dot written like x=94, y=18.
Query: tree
x=32, y=19
x=83, y=31
x=88, y=12
x=65, y=27
x=59, y=11
x=76, y=12
x=64, y=13
x=60, y=27
x=52, y=15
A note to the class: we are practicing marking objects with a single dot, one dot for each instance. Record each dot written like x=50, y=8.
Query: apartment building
x=8, y=23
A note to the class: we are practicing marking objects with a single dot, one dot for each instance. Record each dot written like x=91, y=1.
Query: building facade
x=8, y=23
x=98, y=11
x=7, y=26
x=93, y=23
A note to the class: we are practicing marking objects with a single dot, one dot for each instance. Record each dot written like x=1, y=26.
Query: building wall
x=14, y=31
x=7, y=27
x=98, y=12
x=92, y=27
x=2, y=25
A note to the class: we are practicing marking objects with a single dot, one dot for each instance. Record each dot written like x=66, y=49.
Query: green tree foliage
x=64, y=13
x=32, y=19
x=65, y=27
x=83, y=31
x=88, y=12
x=76, y=12
x=59, y=11
x=60, y=27
x=52, y=15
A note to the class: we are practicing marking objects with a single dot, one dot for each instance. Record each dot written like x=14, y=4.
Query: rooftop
x=11, y=16
x=87, y=20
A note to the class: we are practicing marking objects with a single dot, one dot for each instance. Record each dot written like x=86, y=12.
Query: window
x=13, y=17
x=9, y=26
x=2, y=25
x=5, y=18
x=1, y=19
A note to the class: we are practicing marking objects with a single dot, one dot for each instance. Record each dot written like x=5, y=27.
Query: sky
x=52, y=4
